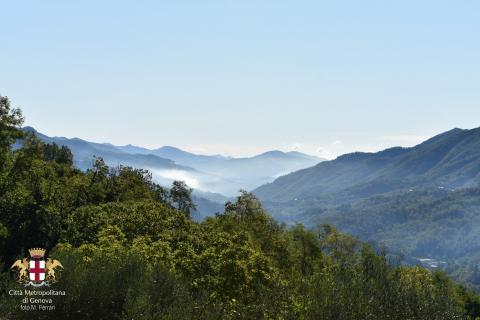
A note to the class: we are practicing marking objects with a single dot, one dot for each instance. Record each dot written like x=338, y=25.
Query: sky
x=242, y=77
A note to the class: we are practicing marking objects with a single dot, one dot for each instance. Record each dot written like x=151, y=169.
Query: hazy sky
x=240, y=77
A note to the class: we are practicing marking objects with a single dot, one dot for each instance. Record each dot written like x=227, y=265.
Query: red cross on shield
x=36, y=270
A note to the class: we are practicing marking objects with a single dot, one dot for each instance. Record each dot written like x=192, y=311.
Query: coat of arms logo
x=36, y=271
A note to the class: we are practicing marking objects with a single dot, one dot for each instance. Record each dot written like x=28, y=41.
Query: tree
x=131, y=252
x=181, y=197
x=10, y=122
x=52, y=152
x=246, y=207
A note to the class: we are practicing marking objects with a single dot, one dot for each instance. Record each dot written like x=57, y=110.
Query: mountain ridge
x=421, y=203
x=451, y=160
x=207, y=173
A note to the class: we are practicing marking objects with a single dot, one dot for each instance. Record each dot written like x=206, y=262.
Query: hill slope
x=247, y=172
x=422, y=202
x=449, y=160
x=214, y=174
x=434, y=228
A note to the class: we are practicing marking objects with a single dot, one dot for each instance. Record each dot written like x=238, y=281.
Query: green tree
x=10, y=122
x=131, y=251
x=181, y=197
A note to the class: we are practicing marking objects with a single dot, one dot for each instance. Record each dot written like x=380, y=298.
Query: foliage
x=181, y=197
x=131, y=251
x=436, y=224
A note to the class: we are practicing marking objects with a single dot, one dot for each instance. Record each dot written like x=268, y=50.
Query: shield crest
x=36, y=266
x=36, y=270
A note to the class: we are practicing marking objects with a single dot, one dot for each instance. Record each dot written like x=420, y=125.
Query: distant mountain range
x=422, y=202
x=450, y=160
x=214, y=177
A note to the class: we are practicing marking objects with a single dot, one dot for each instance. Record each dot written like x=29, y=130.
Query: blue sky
x=241, y=77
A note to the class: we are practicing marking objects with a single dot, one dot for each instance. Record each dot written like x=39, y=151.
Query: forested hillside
x=450, y=160
x=130, y=250
x=420, y=224
x=421, y=202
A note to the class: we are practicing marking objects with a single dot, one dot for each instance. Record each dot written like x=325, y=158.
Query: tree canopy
x=131, y=251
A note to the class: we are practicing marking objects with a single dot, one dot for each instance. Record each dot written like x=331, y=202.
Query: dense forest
x=131, y=250
x=422, y=223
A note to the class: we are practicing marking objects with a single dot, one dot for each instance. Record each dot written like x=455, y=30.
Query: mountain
x=450, y=160
x=422, y=203
x=436, y=228
x=85, y=151
x=435, y=223
x=209, y=174
x=239, y=173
